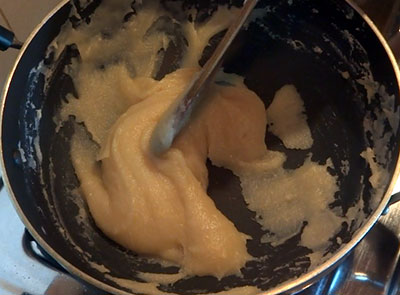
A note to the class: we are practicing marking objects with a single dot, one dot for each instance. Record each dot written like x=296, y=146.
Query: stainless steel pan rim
x=298, y=284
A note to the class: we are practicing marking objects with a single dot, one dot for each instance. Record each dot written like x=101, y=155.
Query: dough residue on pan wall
x=287, y=119
x=132, y=189
x=128, y=189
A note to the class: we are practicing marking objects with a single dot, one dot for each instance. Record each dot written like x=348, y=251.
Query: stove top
x=371, y=269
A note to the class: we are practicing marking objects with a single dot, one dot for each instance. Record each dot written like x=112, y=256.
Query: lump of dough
x=103, y=97
x=287, y=119
x=158, y=205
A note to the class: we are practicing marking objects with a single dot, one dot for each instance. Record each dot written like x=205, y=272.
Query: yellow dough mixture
x=158, y=206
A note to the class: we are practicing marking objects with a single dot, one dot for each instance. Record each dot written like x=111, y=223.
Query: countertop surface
x=22, y=16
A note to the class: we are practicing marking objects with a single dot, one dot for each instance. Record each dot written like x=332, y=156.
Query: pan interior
x=325, y=49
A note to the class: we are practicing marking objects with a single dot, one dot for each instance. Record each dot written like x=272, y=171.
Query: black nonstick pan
x=341, y=66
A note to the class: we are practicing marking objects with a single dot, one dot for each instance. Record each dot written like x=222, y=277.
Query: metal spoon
x=176, y=117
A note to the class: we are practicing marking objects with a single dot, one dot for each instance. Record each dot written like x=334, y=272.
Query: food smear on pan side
x=158, y=206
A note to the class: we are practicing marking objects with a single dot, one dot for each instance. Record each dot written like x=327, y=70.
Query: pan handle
x=7, y=40
x=39, y=254
x=393, y=199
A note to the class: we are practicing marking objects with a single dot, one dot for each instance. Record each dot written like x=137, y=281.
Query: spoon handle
x=176, y=117
x=209, y=70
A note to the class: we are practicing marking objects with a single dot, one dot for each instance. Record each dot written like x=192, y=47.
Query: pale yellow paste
x=287, y=119
x=159, y=206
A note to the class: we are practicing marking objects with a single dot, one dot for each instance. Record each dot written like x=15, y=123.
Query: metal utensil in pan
x=180, y=112
x=324, y=48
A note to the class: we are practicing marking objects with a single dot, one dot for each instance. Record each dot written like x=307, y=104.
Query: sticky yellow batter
x=159, y=206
